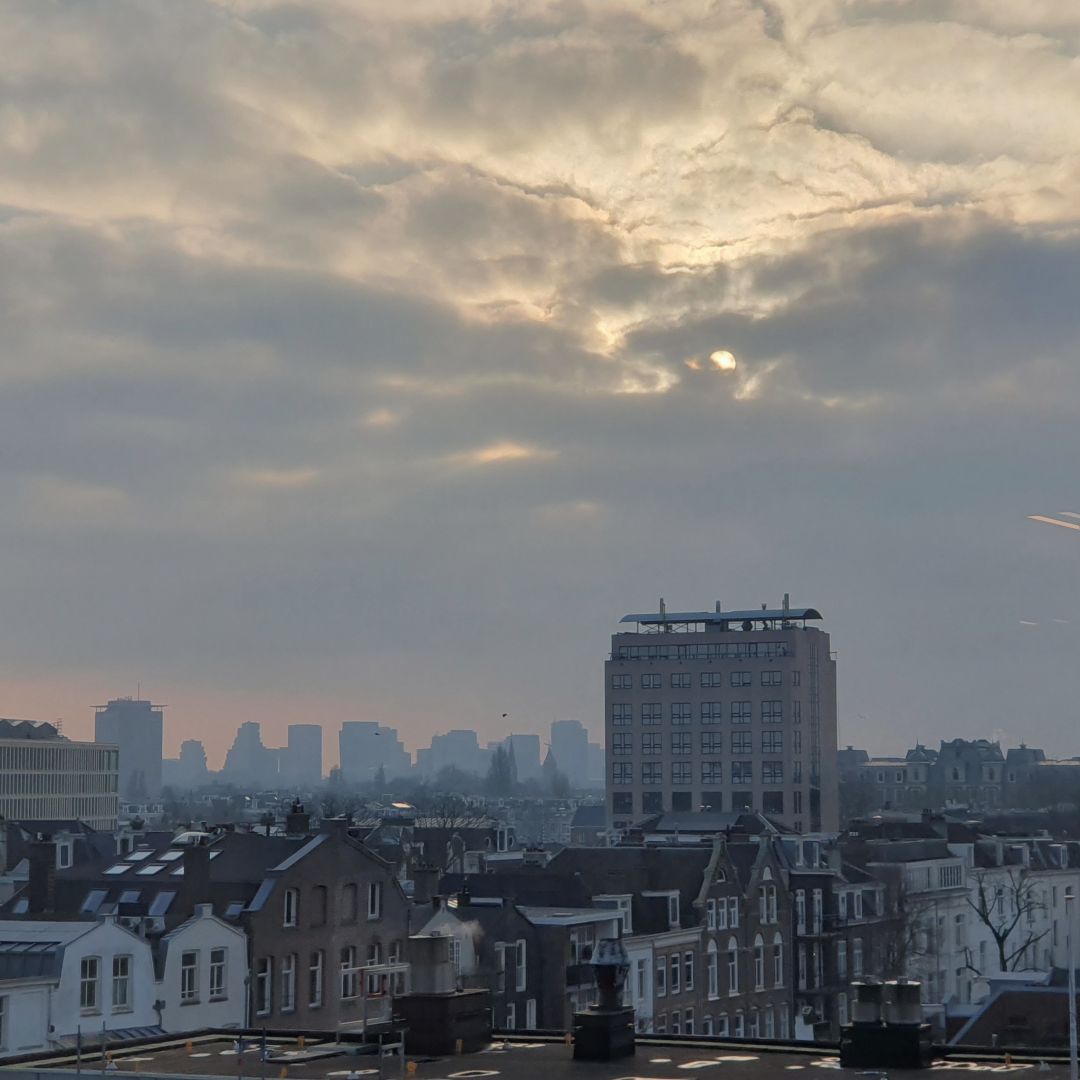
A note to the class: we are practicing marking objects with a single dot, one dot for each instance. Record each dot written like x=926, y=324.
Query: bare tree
x=1007, y=910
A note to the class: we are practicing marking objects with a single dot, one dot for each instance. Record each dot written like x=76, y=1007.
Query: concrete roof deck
x=516, y=1059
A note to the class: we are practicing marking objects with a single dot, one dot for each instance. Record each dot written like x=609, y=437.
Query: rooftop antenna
x=717, y=607
x=663, y=613
x=787, y=604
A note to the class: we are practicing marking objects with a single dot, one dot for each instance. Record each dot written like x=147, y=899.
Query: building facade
x=136, y=728
x=725, y=711
x=45, y=777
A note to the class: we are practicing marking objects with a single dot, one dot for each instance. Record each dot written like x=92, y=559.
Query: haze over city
x=370, y=362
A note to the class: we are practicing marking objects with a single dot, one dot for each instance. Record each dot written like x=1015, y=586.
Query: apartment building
x=722, y=711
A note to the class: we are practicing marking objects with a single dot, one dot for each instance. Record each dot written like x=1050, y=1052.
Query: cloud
x=539, y=308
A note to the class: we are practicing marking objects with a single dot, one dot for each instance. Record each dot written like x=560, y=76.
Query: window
x=800, y=911
x=742, y=772
x=772, y=712
x=661, y=977
x=707, y=1024
x=713, y=800
x=772, y=742
x=796, y=678
x=642, y=975
x=673, y=911
x=741, y=678
x=712, y=742
x=348, y=903
x=741, y=712
x=652, y=802
x=3, y=1021
x=511, y=1017
x=622, y=742
x=856, y=958
x=841, y=1009
x=722, y=1025
x=622, y=802
x=841, y=959
x=530, y=1014
x=712, y=772
x=318, y=905
x=755, y=1029
x=622, y=714
x=759, y=962
x=288, y=983
x=763, y=904
x=772, y=802
x=721, y=914
x=680, y=743
x=652, y=681
x=712, y=678
x=949, y=877
x=712, y=971
x=375, y=979
x=771, y=678
x=710, y=914
x=63, y=854
x=292, y=904
x=712, y=712
x=857, y=898
x=733, y=912
x=348, y=972
x=121, y=983
x=680, y=773
x=681, y=712
x=771, y=892
x=733, y=966
x=841, y=905
x=652, y=714
x=189, y=977
x=778, y=959
x=374, y=899
x=680, y=680
x=772, y=772
x=742, y=742
x=652, y=773
x=796, y=742
x=688, y=1022
x=622, y=682
x=796, y=712
x=958, y=929
x=676, y=1022
x=661, y=1024
x=688, y=970
x=263, y=975
x=675, y=980
x=519, y=966
x=89, y=976
x=802, y=967
x=218, y=959
x=817, y=911
x=622, y=772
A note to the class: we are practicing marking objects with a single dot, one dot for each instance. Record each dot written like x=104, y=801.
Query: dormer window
x=673, y=910
x=64, y=857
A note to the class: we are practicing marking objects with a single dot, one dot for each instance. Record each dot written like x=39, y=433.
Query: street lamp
x=1070, y=896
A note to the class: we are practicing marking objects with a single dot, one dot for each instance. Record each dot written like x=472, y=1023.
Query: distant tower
x=136, y=727
x=302, y=765
x=570, y=745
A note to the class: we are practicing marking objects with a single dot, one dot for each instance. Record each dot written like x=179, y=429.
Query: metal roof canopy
x=656, y=618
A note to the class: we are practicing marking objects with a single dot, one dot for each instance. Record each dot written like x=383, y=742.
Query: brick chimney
x=425, y=881
x=197, y=873
x=297, y=821
x=42, y=888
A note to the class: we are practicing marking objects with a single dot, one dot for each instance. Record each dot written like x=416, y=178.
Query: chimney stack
x=197, y=873
x=297, y=820
x=42, y=890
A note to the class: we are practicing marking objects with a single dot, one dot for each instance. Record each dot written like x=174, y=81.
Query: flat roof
x=521, y=1058
x=654, y=618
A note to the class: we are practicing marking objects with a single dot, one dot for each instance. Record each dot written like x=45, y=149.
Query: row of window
x=711, y=742
x=91, y=999
x=349, y=976
x=717, y=650
x=652, y=772
x=320, y=904
x=710, y=712
x=652, y=802
x=762, y=1024
x=683, y=680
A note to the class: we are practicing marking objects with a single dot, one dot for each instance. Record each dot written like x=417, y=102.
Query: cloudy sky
x=369, y=361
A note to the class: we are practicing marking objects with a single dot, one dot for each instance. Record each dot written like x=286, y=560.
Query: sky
x=370, y=361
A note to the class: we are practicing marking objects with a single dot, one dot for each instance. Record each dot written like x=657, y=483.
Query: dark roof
x=29, y=729
x=589, y=817
x=30, y=959
x=539, y=888
x=654, y=618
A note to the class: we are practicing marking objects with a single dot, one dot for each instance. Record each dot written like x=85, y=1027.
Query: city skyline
x=369, y=362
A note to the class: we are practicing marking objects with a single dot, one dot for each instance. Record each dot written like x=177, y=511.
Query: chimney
x=297, y=821
x=197, y=873
x=42, y=891
x=425, y=881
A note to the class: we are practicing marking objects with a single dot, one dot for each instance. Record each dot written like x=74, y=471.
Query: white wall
x=26, y=1015
x=202, y=933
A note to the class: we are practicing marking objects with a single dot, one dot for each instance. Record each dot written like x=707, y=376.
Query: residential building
x=46, y=777
x=135, y=726
x=727, y=711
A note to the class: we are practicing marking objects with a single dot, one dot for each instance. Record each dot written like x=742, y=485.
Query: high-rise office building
x=570, y=747
x=725, y=711
x=136, y=728
x=302, y=762
x=364, y=747
x=248, y=762
x=457, y=749
x=526, y=751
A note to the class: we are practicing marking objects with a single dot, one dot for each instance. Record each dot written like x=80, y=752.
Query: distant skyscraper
x=136, y=728
x=302, y=763
x=364, y=747
x=570, y=746
x=526, y=750
x=458, y=749
x=191, y=767
x=248, y=763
